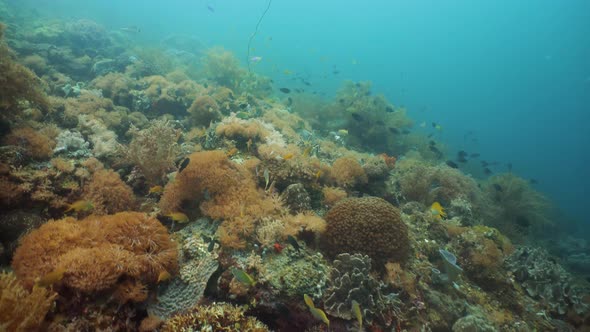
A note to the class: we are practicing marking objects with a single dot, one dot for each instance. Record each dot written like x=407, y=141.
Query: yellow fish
x=287, y=156
x=243, y=277
x=81, y=205
x=307, y=151
x=308, y=301
x=178, y=217
x=356, y=310
x=156, y=190
x=320, y=315
x=437, y=210
x=163, y=276
x=342, y=132
x=318, y=175
x=51, y=277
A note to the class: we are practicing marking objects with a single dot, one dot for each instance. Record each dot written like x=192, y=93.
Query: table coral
x=367, y=225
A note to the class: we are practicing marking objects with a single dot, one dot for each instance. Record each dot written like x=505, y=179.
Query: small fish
x=266, y=175
x=320, y=315
x=389, y=109
x=356, y=310
x=434, y=149
x=51, y=277
x=210, y=8
x=406, y=131
x=484, y=163
x=432, y=143
x=436, y=126
x=289, y=101
x=336, y=72
x=487, y=171
x=498, y=187
x=357, y=117
x=156, y=190
x=437, y=210
x=292, y=241
x=288, y=156
x=183, y=165
x=178, y=217
x=307, y=151
x=342, y=132
x=255, y=59
x=308, y=301
x=285, y=90
x=299, y=90
x=243, y=277
x=394, y=130
x=163, y=276
x=462, y=154
x=533, y=181
x=80, y=206
x=318, y=175
x=131, y=29
x=243, y=115
x=452, y=164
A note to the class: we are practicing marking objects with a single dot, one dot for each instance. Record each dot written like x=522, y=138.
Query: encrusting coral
x=98, y=252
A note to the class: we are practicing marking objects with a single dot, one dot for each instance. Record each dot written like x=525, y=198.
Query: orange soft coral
x=36, y=144
x=109, y=193
x=97, y=252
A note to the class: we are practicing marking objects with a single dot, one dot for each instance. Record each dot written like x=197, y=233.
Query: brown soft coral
x=97, y=252
x=21, y=310
x=204, y=110
x=347, y=172
x=109, y=193
x=36, y=144
x=367, y=225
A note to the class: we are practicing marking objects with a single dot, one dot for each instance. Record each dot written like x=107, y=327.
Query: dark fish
x=211, y=246
x=205, y=85
x=462, y=154
x=289, y=101
x=210, y=8
x=430, y=135
x=341, y=100
x=307, y=83
x=484, y=163
x=474, y=155
x=243, y=105
x=183, y=164
x=357, y=117
x=406, y=131
x=433, y=125
x=435, y=150
x=336, y=72
x=432, y=143
x=533, y=181
x=394, y=130
x=461, y=160
x=498, y=187
x=299, y=90
x=285, y=90
x=487, y=171
x=389, y=109
x=452, y=164
x=292, y=241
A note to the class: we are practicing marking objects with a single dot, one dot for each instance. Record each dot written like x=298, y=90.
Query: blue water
x=515, y=75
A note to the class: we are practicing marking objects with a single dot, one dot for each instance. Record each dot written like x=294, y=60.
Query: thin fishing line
x=256, y=31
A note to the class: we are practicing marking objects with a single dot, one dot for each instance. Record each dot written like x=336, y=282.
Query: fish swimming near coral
x=285, y=90
x=266, y=175
x=51, y=278
x=178, y=217
x=452, y=164
x=163, y=276
x=356, y=117
x=342, y=132
x=288, y=156
x=80, y=206
x=308, y=301
x=156, y=190
x=320, y=315
x=498, y=187
x=243, y=277
x=356, y=310
x=292, y=241
x=183, y=164
x=438, y=211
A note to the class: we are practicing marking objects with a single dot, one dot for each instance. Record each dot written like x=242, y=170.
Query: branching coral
x=108, y=193
x=153, y=150
x=22, y=310
x=367, y=225
x=97, y=252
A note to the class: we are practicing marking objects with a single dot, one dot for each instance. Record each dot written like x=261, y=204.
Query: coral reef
x=108, y=193
x=368, y=225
